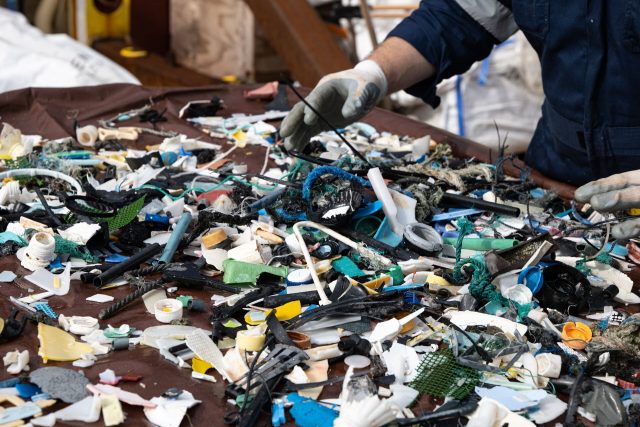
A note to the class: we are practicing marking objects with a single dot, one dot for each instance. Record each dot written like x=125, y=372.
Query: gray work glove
x=615, y=193
x=341, y=98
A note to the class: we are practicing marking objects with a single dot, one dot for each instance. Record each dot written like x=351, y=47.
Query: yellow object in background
x=58, y=345
x=100, y=18
x=634, y=211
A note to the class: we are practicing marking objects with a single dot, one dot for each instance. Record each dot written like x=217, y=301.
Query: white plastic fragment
x=48, y=420
x=491, y=413
x=100, y=298
x=79, y=233
x=79, y=325
x=123, y=396
x=58, y=284
x=368, y=412
x=108, y=376
x=204, y=347
x=17, y=361
x=7, y=277
x=87, y=410
x=170, y=412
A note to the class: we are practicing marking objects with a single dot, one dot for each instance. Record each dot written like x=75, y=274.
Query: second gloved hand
x=615, y=193
x=342, y=98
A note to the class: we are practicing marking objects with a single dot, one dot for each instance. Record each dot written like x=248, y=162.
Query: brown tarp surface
x=51, y=113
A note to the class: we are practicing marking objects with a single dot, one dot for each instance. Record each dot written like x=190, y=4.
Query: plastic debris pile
x=383, y=264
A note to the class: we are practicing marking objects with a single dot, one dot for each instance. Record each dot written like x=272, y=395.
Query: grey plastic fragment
x=64, y=384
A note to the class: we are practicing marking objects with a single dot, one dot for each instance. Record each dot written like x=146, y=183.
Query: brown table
x=49, y=112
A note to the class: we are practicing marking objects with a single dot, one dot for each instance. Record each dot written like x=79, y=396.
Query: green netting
x=439, y=375
x=64, y=246
x=124, y=215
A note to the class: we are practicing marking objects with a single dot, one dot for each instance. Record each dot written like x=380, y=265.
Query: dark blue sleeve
x=449, y=38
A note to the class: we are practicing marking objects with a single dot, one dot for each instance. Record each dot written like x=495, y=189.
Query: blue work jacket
x=590, y=57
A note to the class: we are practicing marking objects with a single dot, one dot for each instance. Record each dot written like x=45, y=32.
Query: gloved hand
x=342, y=98
x=615, y=193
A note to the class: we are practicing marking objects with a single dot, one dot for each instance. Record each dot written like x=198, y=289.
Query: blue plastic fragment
x=309, y=413
x=46, y=309
x=116, y=258
x=405, y=287
x=9, y=382
x=411, y=298
x=162, y=219
x=386, y=235
x=277, y=413
x=453, y=214
x=15, y=413
x=56, y=265
x=26, y=390
x=618, y=250
x=368, y=209
x=40, y=396
x=532, y=278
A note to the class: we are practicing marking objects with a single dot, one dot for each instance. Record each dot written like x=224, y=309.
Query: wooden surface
x=301, y=38
x=153, y=70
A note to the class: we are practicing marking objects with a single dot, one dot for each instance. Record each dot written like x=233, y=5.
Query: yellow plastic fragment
x=634, y=211
x=58, y=345
x=200, y=365
x=285, y=312
x=111, y=410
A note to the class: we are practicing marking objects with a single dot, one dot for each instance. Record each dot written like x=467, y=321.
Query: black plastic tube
x=133, y=262
x=472, y=202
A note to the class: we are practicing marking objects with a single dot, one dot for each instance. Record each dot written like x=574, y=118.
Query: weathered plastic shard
x=60, y=383
x=55, y=283
x=170, y=412
x=491, y=413
x=204, y=347
x=123, y=396
x=58, y=345
x=17, y=361
x=86, y=410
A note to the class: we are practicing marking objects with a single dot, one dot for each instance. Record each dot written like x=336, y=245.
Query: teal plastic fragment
x=309, y=413
x=238, y=272
x=184, y=299
x=347, y=267
x=7, y=236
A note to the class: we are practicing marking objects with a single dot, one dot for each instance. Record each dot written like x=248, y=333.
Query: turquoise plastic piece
x=238, y=272
x=386, y=235
x=347, y=267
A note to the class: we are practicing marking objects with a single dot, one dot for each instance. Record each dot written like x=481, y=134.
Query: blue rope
x=324, y=170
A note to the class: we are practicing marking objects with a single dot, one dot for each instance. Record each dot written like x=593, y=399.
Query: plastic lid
x=357, y=362
x=532, y=278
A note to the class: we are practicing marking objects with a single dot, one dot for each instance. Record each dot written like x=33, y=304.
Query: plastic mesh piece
x=440, y=375
x=125, y=215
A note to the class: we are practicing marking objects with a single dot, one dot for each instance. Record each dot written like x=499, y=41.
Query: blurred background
x=61, y=43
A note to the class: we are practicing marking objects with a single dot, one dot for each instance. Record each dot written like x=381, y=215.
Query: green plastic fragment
x=439, y=375
x=124, y=215
x=396, y=274
x=7, y=236
x=64, y=246
x=347, y=267
x=238, y=272
x=481, y=244
x=111, y=332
